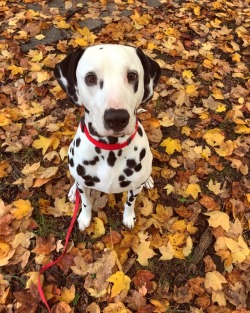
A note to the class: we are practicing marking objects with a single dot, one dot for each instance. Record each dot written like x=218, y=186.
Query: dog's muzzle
x=116, y=120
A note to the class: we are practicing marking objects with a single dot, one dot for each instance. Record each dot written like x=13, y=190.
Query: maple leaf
x=23, y=209
x=143, y=250
x=29, y=300
x=214, y=280
x=167, y=252
x=67, y=295
x=193, y=190
x=171, y=145
x=3, y=166
x=239, y=249
x=116, y=308
x=218, y=218
x=214, y=137
x=120, y=282
x=44, y=143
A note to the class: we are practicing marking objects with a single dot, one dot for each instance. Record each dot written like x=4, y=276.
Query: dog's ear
x=152, y=73
x=65, y=73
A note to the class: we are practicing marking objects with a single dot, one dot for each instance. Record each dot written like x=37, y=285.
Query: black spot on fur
x=121, y=178
x=140, y=132
x=128, y=171
x=125, y=183
x=111, y=158
x=71, y=162
x=80, y=190
x=97, y=150
x=142, y=154
x=78, y=141
x=135, y=148
x=80, y=170
x=131, y=163
x=138, y=167
x=90, y=181
x=131, y=197
x=91, y=162
x=119, y=153
x=101, y=84
x=92, y=131
x=72, y=151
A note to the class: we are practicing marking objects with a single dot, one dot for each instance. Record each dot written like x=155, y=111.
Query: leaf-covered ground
x=189, y=250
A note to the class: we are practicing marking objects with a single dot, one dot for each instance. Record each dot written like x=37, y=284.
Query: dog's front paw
x=129, y=219
x=72, y=193
x=149, y=184
x=84, y=220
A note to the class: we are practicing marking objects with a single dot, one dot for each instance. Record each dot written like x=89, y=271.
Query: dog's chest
x=110, y=171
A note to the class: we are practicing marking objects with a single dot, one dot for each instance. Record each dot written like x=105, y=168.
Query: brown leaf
x=29, y=300
x=143, y=278
x=44, y=245
x=136, y=300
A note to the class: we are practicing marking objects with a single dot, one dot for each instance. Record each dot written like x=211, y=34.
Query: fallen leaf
x=120, y=282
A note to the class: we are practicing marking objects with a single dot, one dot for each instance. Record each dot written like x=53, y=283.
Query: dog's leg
x=84, y=217
x=149, y=184
x=129, y=212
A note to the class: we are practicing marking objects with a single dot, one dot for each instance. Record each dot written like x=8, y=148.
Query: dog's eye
x=132, y=77
x=91, y=79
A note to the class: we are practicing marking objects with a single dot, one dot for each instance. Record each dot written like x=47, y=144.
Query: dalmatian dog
x=110, y=151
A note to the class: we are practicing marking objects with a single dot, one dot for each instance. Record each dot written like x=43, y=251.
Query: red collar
x=109, y=146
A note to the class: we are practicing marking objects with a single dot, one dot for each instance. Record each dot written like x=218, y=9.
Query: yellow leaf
x=15, y=69
x=99, y=229
x=67, y=295
x=191, y=90
x=63, y=152
x=187, y=74
x=167, y=252
x=216, y=23
x=218, y=218
x=40, y=37
x=3, y=166
x=214, y=187
x=214, y=137
x=236, y=57
x=214, y=280
x=116, y=308
x=42, y=76
x=44, y=143
x=187, y=249
x=33, y=279
x=197, y=10
x=62, y=24
x=239, y=249
x=177, y=239
x=23, y=208
x=120, y=282
x=30, y=169
x=171, y=145
x=221, y=108
x=161, y=306
x=151, y=46
x=4, y=119
x=193, y=190
x=4, y=249
x=242, y=129
x=81, y=42
x=144, y=253
x=225, y=149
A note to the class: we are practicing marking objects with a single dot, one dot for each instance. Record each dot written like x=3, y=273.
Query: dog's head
x=111, y=81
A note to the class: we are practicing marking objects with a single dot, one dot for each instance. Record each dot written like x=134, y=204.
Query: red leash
x=45, y=267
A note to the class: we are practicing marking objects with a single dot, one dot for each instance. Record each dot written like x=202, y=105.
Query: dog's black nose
x=116, y=119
